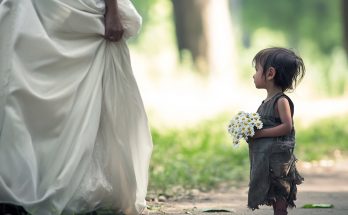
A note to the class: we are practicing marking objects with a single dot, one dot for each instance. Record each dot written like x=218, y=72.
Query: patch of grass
x=202, y=157
x=322, y=139
x=196, y=157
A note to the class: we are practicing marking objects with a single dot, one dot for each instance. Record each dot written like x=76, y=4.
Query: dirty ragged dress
x=273, y=172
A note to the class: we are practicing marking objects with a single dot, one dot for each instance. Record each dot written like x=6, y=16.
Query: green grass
x=322, y=139
x=196, y=157
x=202, y=157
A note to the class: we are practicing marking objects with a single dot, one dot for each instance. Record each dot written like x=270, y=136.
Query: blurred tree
x=191, y=33
x=315, y=20
x=204, y=29
x=345, y=24
x=144, y=9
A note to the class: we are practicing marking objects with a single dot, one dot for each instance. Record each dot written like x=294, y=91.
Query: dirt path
x=325, y=182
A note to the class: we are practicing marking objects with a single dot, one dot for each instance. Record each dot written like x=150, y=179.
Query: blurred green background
x=192, y=61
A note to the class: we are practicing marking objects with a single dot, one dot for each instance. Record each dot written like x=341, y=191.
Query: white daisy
x=243, y=125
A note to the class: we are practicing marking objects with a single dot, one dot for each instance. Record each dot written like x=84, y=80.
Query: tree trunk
x=203, y=27
x=190, y=29
x=345, y=24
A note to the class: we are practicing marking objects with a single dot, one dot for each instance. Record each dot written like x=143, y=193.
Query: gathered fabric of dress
x=74, y=135
x=273, y=173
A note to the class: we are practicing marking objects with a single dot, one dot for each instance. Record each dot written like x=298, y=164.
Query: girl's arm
x=113, y=27
x=284, y=128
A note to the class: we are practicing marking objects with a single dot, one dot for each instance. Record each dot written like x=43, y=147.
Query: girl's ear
x=270, y=73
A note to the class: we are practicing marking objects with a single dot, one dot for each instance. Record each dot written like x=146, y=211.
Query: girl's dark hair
x=289, y=67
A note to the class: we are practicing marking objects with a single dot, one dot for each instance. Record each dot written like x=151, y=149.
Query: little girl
x=273, y=174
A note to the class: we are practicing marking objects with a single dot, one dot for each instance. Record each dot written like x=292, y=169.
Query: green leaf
x=318, y=206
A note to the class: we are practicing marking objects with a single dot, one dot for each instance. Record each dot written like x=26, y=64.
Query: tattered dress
x=273, y=172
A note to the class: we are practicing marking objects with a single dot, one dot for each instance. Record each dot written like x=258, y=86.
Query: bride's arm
x=113, y=26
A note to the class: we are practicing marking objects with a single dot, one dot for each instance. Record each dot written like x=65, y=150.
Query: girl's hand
x=113, y=27
x=257, y=134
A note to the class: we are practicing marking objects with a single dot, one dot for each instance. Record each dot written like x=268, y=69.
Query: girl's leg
x=280, y=207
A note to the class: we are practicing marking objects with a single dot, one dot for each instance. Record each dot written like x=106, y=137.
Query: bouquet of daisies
x=243, y=126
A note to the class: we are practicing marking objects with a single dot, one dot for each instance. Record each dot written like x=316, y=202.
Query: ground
x=325, y=182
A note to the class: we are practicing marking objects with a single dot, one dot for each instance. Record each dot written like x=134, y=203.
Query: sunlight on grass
x=322, y=139
x=202, y=157
x=196, y=157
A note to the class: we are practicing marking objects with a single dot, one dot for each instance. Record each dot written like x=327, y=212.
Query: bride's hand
x=113, y=26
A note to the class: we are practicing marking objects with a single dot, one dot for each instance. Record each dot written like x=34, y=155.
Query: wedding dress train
x=73, y=130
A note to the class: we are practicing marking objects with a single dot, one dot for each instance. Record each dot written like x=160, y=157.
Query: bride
x=73, y=131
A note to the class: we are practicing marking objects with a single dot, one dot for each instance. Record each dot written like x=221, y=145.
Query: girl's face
x=259, y=77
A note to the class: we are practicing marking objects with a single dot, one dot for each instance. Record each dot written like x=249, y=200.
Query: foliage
x=317, y=20
x=312, y=27
x=146, y=10
x=202, y=156
x=196, y=157
x=323, y=139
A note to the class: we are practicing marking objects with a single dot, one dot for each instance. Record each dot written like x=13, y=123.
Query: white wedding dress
x=73, y=130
